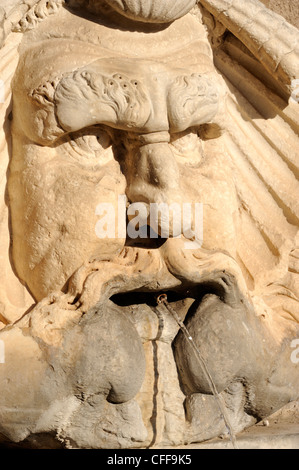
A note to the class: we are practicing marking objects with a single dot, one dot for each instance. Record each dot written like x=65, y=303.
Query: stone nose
x=153, y=179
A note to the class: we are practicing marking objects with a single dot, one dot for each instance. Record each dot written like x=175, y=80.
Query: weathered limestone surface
x=289, y=9
x=126, y=105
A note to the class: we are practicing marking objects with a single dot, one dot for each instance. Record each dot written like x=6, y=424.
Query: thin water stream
x=162, y=299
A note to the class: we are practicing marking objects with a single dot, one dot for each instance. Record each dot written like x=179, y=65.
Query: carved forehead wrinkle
x=52, y=58
x=97, y=36
x=185, y=40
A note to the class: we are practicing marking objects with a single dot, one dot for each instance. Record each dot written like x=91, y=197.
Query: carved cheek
x=54, y=215
x=66, y=202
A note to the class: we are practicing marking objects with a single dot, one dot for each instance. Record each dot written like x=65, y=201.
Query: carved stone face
x=89, y=129
x=93, y=120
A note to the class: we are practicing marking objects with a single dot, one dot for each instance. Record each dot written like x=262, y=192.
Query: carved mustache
x=169, y=267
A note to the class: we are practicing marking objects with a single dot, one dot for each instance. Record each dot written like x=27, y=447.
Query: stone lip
x=152, y=11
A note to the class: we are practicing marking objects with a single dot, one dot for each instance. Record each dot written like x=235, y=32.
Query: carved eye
x=91, y=145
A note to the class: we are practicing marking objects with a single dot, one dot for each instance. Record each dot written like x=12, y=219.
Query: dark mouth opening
x=196, y=292
x=149, y=298
x=176, y=296
x=146, y=241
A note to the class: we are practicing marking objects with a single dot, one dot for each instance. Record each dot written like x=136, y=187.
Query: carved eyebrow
x=192, y=100
x=86, y=97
